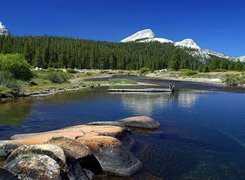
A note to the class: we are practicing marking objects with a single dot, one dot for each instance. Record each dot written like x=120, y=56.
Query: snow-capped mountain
x=189, y=43
x=3, y=30
x=148, y=35
x=241, y=58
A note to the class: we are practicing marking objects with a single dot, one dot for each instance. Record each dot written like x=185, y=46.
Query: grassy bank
x=50, y=81
x=227, y=78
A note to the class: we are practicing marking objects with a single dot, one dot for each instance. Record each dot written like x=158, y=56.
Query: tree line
x=60, y=52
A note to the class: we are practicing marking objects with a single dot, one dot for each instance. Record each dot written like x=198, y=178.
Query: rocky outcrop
x=76, y=152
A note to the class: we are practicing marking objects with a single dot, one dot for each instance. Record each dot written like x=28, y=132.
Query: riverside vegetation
x=54, y=54
x=17, y=78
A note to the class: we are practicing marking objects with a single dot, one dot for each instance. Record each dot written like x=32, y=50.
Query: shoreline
x=49, y=92
x=96, y=84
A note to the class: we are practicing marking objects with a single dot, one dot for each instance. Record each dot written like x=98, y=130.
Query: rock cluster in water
x=78, y=152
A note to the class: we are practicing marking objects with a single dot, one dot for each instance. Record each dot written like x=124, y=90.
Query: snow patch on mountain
x=241, y=58
x=140, y=35
x=218, y=54
x=3, y=30
x=146, y=35
x=189, y=43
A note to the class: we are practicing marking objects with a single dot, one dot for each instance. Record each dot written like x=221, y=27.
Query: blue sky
x=215, y=24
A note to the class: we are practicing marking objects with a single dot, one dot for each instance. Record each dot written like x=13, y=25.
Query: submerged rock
x=140, y=122
x=118, y=160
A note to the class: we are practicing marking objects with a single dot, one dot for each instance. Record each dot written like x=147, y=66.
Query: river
x=202, y=133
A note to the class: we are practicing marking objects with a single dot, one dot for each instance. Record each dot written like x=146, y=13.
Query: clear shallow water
x=202, y=133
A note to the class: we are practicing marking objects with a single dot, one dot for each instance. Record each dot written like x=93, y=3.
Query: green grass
x=188, y=72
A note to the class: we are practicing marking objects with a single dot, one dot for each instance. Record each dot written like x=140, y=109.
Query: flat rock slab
x=95, y=142
x=71, y=132
x=144, y=122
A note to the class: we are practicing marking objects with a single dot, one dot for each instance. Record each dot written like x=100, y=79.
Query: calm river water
x=202, y=133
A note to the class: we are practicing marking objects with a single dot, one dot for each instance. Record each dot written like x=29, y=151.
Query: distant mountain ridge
x=3, y=30
x=147, y=35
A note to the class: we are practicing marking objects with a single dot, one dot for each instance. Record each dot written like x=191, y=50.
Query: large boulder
x=50, y=150
x=77, y=153
x=118, y=160
x=35, y=166
x=144, y=122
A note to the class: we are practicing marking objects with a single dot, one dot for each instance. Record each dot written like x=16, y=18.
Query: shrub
x=219, y=70
x=57, y=77
x=204, y=69
x=231, y=81
x=39, y=81
x=188, y=72
x=144, y=70
x=8, y=85
x=5, y=91
x=15, y=64
x=5, y=77
x=51, y=69
x=234, y=80
x=72, y=71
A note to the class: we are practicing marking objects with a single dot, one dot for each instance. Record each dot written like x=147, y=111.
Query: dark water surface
x=202, y=133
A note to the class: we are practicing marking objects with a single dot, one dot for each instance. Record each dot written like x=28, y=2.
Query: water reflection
x=146, y=103
x=187, y=99
x=14, y=113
